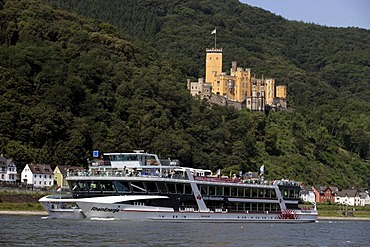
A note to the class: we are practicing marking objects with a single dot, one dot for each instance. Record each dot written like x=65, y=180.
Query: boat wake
x=102, y=219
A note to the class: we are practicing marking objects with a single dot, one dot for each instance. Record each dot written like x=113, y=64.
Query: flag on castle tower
x=262, y=170
x=214, y=31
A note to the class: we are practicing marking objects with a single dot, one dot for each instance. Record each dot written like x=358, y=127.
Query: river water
x=38, y=231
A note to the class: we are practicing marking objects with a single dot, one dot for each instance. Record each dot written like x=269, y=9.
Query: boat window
x=171, y=188
x=219, y=191
x=122, y=187
x=254, y=207
x=284, y=192
x=107, y=186
x=188, y=190
x=180, y=188
x=247, y=206
x=268, y=193
x=203, y=189
x=233, y=206
x=151, y=187
x=240, y=206
x=138, y=187
x=233, y=191
x=95, y=186
x=261, y=193
x=73, y=185
x=162, y=188
x=240, y=192
x=227, y=191
x=247, y=192
x=254, y=192
x=82, y=186
x=274, y=207
x=212, y=190
x=273, y=193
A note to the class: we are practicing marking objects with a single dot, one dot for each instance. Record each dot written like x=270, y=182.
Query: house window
x=50, y=176
x=35, y=176
x=44, y=182
x=45, y=176
x=40, y=176
x=49, y=183
x=39, y=182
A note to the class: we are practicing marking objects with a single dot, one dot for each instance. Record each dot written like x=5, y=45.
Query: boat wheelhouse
x=139, y=186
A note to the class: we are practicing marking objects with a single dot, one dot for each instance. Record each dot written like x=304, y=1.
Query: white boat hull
x=145, y=213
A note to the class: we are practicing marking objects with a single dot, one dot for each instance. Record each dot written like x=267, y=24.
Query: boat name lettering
x=112, y=210
x=306, y=211
x=213, y=198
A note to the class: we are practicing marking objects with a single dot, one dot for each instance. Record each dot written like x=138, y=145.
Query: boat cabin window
x=95, y=186
x=254, y=192
x=247, y=192
x=151, y=187
x=138, y=187
x=188, y=190
x=144, y=159
x=240, y=192
x=180, y=188
x=162, y=187
x=273, y=193
x=233, y=191
x=203, y=190
x=81, y=186
x=107, y=186
x=261, y=193
x=122, y=187
x=171, y=188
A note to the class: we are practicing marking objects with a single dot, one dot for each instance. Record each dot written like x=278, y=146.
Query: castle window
x=216, y=58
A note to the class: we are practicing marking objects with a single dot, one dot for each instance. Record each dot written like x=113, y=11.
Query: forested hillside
x=70, y=85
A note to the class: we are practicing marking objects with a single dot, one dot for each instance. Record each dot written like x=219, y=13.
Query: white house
x=307, y=194
x=364, y=198
x=8, y=170
x=39, y=176
x=348, y=197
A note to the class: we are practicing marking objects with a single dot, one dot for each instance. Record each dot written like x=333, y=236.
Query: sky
x=332, y=13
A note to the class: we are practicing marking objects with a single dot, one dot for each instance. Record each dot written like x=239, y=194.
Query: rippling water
x=36, y=231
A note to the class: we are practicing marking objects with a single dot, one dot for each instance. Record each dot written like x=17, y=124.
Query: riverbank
x=23, y=212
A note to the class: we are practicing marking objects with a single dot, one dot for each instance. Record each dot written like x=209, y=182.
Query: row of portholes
x=262, y=218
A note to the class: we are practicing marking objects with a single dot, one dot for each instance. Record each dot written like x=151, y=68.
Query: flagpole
x=215, y=38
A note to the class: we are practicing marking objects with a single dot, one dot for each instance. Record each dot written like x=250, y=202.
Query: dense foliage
x=70, y=85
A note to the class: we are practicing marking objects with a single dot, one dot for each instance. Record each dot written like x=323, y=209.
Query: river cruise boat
x=140, y=186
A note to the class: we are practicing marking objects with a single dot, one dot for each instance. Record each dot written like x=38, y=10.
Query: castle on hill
x=239, y=88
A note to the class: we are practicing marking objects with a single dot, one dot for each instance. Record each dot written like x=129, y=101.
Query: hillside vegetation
x=70, y=85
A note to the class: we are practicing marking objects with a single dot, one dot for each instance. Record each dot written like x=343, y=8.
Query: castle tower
x=213, y=64
x=281, y=91
x=269, y=91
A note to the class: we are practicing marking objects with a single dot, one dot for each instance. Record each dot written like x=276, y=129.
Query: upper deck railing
x=172, y=173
